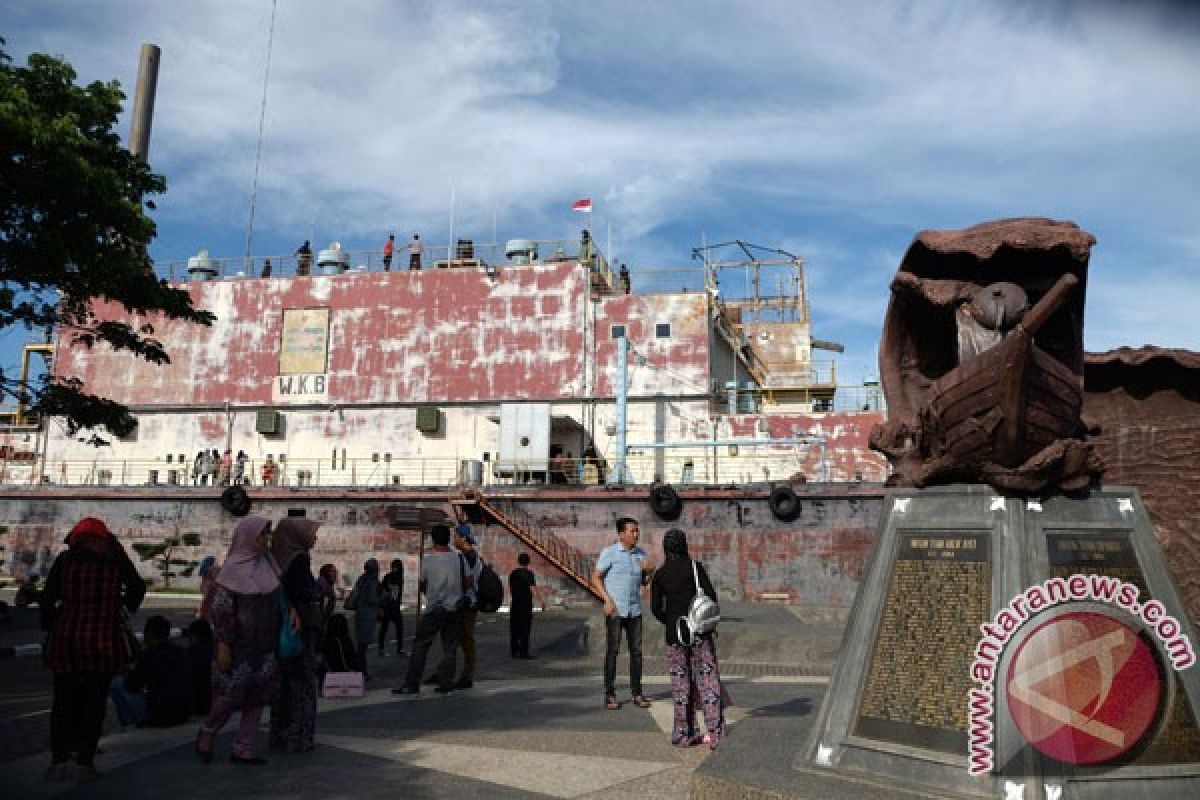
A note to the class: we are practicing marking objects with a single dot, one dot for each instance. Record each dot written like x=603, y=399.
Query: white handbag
x=702, y=615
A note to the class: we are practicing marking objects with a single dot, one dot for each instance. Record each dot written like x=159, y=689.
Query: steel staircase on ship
x=504, y=512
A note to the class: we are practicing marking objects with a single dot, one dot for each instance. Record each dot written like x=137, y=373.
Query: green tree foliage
x=74, y=231
x=163, y=554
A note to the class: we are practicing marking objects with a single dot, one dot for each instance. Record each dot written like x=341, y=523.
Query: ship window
x=662, y=330
x=618, y=331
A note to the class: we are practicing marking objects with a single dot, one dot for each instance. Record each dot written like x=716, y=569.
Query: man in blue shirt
x=621, y=571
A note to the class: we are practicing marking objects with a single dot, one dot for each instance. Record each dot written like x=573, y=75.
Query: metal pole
x=622, y=400
x=229, y=436
x=143, y=101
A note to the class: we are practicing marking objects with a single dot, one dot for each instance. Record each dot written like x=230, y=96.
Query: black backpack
x=490, y=590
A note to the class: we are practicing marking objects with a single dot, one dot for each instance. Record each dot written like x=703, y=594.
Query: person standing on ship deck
x=414, y=252
x=388, y=249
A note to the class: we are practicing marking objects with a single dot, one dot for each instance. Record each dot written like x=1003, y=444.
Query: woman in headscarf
x=294, y=710
x=695, y=676
x=208, y=571
x=327, y=595
x=245, y=617
x=367, y=597
x=81, y=610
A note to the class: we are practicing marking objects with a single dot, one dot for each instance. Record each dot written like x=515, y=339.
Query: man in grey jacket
x=442, y=584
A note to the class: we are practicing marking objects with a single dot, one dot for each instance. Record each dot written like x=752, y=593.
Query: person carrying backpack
x=468, y=615
x=691, y=656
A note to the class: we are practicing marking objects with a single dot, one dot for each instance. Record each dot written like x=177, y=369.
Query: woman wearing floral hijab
x=81, y=610
x=294, y=711
x=245, y=618
x=695, y=676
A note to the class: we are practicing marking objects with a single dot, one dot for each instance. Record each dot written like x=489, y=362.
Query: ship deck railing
x=433, y=256
x=718, y=465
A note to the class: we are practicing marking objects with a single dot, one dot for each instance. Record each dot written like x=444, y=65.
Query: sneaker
x=87, y=772
x=640, y=701
x=610, y=702
x=432, y=680
x=464, y=683
x=62, y=771
x=444, y=690
x=406, y=690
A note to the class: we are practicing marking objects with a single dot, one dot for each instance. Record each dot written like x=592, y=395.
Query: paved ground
x=529, y=729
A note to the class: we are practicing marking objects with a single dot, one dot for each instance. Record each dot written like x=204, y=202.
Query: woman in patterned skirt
x=245, y=617
x=294, y=711
x=695, y=676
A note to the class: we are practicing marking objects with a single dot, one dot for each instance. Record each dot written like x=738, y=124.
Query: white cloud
x=865, y=121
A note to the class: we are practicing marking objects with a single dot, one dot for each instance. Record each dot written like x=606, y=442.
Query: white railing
x=704, y=466
x=464, y=254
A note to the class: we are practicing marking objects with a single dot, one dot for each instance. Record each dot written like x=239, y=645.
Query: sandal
x=205, y=756
x=610, y=702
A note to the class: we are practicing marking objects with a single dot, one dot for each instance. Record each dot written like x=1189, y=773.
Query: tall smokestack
x=143, y=101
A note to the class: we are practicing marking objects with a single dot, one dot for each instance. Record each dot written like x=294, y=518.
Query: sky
x=832, y=130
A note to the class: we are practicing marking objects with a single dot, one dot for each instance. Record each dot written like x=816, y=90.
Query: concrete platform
x=529, y=729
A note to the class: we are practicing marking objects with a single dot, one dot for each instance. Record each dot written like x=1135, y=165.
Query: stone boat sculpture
x=982, y=359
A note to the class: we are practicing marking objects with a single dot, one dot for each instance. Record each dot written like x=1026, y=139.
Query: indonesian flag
x=584, y=205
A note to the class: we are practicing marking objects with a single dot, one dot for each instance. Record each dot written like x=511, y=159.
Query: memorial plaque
x=1111, y=553
x=916, y=686
x=1107, y=553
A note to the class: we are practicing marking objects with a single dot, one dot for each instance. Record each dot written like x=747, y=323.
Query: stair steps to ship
x=570, y=561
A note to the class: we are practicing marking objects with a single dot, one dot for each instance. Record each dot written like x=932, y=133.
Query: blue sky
x=834, y=130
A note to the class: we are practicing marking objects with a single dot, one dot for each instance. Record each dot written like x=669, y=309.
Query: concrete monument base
x=1017, y=648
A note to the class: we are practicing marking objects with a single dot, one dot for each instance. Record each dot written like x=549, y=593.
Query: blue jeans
x=131, y=706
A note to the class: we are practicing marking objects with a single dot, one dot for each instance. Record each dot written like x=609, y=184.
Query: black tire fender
x=665, y=502
x=236, y=501
x=784, y=503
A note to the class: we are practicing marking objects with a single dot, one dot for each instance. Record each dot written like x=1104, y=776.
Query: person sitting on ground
x=28, y=593
x=200, y=652
x=157, y=692
x=338, y=653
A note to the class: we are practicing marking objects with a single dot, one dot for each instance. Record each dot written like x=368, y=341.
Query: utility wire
x=262, y=116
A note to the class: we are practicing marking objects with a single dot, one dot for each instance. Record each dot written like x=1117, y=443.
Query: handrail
x=464, y=254
x=701, y=465
x=570, y=561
